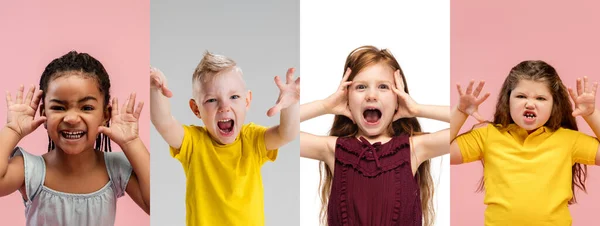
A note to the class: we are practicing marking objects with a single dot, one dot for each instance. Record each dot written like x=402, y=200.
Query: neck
x=383, y=138
x=75, y=164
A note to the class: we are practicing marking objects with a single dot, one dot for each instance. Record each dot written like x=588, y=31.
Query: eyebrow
x=63, y=102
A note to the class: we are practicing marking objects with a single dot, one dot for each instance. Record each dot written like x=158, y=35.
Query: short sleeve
x=190, y=134
x=120, y=171
x=256, y=134
x=35, y=172
x=471, y=144
x=584, y=149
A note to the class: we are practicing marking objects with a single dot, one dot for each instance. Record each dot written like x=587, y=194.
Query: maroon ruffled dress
x=373, y=184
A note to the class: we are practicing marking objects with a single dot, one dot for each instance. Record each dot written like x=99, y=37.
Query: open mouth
x=372, y=115
x=225, y=126
x=72, y=135
x=529, y=116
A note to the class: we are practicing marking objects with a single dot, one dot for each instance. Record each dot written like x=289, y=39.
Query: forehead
x=532, y=87
x=72, y=86
x=226, y=81
x=376, y=72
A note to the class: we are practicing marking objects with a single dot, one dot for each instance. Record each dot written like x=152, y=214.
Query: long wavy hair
x=358, y=60
x=561, y=115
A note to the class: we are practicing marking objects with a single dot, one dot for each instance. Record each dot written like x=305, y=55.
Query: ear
x=248, y=99
x=107, y=115
x=194, y=108
x=43, y=113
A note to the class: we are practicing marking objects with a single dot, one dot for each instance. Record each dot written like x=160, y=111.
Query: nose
x=72, y=118
x=371, y=95
x=224, y=106
x=529, y=104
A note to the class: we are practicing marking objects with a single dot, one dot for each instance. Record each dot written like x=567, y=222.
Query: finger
x=279, y=83
x=138, y=110
x=156, y=81
x=130, y=103
x=470, y=87
x=289, y=75
x=346, y=76
x=29, y=96
x=105, y=130
x=274, y=110
x=297, y=82
x=479, y=88
x=345, y=85
x=572, y=94
x=38, y=121
x=460, y=91
x=166, y=91
x=20, y=94
x=586, y=84
x=483, y=98
x=8, y=99
x=576, y=112
x=579, y=87
x=478, y=117
x=594, y=88
x=35, y=103
x=397, y=80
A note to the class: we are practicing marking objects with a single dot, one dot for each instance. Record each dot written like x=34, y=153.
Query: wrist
x=131, y=143
x=7, y=130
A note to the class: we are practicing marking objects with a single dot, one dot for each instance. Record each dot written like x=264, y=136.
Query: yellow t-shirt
x=527, y=177
x=224, y=184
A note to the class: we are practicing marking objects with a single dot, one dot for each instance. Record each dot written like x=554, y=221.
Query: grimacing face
x=530, y=104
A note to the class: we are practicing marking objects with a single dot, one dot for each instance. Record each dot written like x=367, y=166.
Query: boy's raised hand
x=158, y=81
x=21, y=111
x=585, y=98
x=289, y=92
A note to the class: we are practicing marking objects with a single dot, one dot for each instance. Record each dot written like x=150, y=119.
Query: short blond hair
x=210, y=65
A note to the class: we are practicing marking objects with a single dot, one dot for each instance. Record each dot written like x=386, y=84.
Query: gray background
x=263, y=38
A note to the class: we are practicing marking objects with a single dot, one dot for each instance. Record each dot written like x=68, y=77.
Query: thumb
x=38, y=121
x=477, y=116
x=166, y=91
x=576, y=112
x=105, y=130
x=274, y=110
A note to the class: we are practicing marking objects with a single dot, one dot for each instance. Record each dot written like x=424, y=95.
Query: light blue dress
x=49, y=207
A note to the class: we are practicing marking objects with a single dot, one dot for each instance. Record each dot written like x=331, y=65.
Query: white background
x=417, y=33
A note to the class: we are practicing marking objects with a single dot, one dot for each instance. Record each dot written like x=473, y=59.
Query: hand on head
x=407, y=107
x=124, y=122
x=585, y=98
x=289, y=92
x=158, y=80
x=21, y=111
x=469, y=102
x=337, y=103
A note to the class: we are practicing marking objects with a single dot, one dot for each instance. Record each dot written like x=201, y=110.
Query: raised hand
x=585, y=98
x=469, y=102
x=337, y=103
x=407, y=107
x=158, y=81
x=124, y=122
x=289, y=92
x=21, y=112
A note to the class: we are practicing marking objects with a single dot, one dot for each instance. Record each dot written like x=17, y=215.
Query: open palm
x=469, y=102
x=585, y=98
x=337, y=103
x=124, y=122
x=21, y=112
x=289, y=92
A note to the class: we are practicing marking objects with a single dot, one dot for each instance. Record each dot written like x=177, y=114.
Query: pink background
x=114, y=32
x=488, y=38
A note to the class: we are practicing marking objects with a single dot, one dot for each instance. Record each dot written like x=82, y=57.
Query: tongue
x=227, y=126
x=371, y=115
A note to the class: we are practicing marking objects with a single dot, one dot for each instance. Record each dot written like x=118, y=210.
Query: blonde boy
x=222, y=158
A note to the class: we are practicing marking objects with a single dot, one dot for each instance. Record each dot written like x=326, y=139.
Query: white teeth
x=73, y=135
x=529, y=115
x=224, y=120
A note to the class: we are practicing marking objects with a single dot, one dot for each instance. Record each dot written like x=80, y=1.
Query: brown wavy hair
x=561, y=115
x=358, y=60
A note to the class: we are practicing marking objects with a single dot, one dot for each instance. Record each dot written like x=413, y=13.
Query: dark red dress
x=373, y=184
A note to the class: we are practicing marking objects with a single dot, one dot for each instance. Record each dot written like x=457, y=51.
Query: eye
x=57, y=108
x=211, y=100
x=88, y=108
x=541, y=98
x=520, y=96
x=384, y=86
x=361, y=87
x=235, y=97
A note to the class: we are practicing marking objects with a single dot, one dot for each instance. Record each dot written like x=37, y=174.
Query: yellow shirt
x=224, y=184
x=527, y=177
